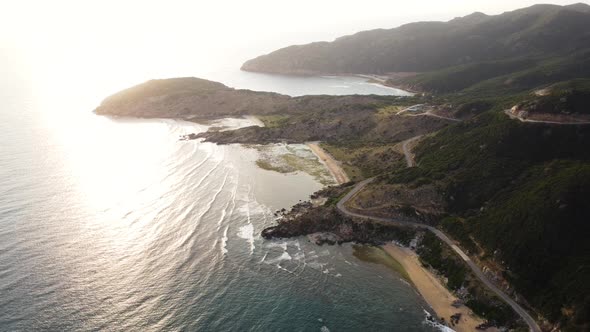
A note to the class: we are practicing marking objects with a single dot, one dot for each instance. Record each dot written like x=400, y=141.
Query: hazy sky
x=159, y=38
x=147, y=24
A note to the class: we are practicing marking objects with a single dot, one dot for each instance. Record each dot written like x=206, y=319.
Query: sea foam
x=224, y=241
x=247, y=232
x=430, y=322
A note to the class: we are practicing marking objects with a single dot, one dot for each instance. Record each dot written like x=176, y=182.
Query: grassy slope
x=522, y=191
x=519, y=190
x=456, y=78
x=571, y=97
x=549, y=203
x=493, y=147
x=489, y=80
x=544, y=30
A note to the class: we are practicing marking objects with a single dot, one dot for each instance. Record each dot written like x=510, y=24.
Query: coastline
x=384, y=81
x=331, y=164
x=375, y=79
x=433, y=291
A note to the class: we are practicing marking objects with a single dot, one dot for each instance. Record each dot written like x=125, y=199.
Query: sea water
x=114, y=224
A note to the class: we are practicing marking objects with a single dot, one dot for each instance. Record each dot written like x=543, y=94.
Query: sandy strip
x=254, y=120
x=331, y=163
x=433, y=291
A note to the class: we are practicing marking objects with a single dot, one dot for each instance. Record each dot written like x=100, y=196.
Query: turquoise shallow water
x=114, y=224
x=302, y=85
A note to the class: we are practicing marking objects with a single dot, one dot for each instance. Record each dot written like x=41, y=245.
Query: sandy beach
x=332, y=165
x=432, y=290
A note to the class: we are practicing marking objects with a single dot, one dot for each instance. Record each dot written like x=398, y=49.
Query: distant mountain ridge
x=540, y=31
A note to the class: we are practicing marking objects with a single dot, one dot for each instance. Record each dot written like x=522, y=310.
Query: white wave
x=223, y=213
x=338, y=275
x=316, y=265
x=207, y=157
x=405, y=282
x=224, y=241
x=276, y=244
x=284, y=269
x=233, y=200
x=349, y=263
x=227, y=204
x=214, y=198
x=247, y=232
x=299, y=256
x=430, y=322
x=264, y=257
x=257, y=208
x=283, y=257
x=248, y=211
x=198, y=185
x=325, y=329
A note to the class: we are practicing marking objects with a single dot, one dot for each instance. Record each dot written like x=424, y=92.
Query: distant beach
x=428, y=285
x=433, y=291
x=331, y=164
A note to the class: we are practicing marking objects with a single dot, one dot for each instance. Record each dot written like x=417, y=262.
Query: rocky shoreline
x=324, y=224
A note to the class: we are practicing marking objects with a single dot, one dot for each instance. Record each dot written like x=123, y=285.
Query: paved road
x=426, y=113
x=533, y=326
x=407, y=153
x=513, y=116
x=429, y=113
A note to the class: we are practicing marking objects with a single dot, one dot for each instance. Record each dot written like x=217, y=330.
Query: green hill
x=518, y=194
x=539, y=31
x=189, y=98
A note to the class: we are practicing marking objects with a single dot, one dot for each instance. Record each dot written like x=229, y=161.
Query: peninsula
x=486, y=174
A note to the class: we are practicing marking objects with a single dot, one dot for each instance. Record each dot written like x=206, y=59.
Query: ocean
x=115, y=224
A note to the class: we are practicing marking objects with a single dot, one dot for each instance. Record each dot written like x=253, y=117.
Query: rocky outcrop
x=326, y=225
x=189, y=98
x=342, y=125
x=189, y=137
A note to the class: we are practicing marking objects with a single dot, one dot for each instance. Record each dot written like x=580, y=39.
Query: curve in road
x=533, y=326
x=516, y=117
x=426, y=113
x=407, y=153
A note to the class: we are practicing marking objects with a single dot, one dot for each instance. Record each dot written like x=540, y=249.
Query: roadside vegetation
x=518, y=196
x=514, y=194
x=438, y=256
x=367, y=161
x=273, y=120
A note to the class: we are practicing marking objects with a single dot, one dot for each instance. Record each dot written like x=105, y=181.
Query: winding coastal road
x=517, y=117
x=407, y=153
x=429, y=113
x=341, y=205
x=408, y=111
x=533, y=326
